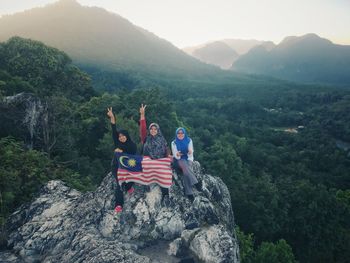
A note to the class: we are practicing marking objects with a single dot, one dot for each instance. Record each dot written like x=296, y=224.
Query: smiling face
x=153, y=130
x=122, y=138
x=180, y=135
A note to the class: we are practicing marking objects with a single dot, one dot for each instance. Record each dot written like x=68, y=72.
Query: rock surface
x=24, y=116
x=64, y=225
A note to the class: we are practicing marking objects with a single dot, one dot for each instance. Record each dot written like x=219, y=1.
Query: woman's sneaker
x=191, y=198
x=165, y=200
x=131, y=190
x=118, y=209
x=199, y=186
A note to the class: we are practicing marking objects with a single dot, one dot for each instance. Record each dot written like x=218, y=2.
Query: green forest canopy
x=273, y=143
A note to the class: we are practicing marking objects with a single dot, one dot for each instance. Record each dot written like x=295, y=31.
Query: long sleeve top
x=143, y=130
x=174, y=150
x=115, y=135
x=129, y=146
x=156, y=147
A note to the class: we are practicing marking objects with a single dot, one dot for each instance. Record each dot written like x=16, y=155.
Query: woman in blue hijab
x=182, y=149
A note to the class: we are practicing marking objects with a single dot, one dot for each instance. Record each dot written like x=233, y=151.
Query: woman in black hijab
x=122, y=144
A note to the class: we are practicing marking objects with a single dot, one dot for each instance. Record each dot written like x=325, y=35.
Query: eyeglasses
x=180, y=133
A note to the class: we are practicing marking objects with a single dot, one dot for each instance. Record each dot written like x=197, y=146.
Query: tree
x=280, y=252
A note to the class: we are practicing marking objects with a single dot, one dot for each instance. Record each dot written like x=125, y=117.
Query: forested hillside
x=281, y=148
x=306, y=59
x=96, y=37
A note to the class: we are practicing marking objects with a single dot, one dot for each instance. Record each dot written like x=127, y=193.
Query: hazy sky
x=192, y=22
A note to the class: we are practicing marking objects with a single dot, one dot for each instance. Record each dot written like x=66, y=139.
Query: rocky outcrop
x=64, y=225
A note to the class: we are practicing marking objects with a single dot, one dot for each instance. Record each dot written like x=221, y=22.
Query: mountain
x=307, y=58
x=224, y=53
x=94, y=36
x=242, y=46
x=216, y=53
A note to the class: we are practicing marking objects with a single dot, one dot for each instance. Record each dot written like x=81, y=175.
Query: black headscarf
x=129, y=146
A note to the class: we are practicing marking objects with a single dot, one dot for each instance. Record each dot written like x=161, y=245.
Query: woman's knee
x=185, y=167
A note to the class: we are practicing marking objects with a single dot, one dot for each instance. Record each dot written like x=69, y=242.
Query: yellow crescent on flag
x=121, y=159
x=130, y=162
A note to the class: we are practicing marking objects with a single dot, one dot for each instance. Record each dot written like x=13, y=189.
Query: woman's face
x=153, y=131
x=180, y=135
x=122, y=138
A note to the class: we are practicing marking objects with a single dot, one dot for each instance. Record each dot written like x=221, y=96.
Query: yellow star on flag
x=132, y=162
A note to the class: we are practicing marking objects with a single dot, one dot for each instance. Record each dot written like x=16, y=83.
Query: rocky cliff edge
x=64, y=225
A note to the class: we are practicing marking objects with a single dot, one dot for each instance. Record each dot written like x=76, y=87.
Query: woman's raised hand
x=142, y=109
x=111, y=115
x=110, y=112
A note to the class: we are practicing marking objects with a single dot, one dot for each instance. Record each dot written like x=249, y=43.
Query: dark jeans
x=165, y=191
x=119, y=196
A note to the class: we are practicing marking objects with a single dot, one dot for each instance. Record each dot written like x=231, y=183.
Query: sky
x=191, y=22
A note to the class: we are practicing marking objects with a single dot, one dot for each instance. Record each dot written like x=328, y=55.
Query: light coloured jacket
x=174, y=150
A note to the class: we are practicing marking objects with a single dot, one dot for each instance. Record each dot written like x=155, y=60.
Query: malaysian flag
x=143, y=170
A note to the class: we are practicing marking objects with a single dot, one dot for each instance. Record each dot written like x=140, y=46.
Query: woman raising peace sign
x=122, y=144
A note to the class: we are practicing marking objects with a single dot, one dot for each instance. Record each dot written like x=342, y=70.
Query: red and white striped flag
x=144, y=170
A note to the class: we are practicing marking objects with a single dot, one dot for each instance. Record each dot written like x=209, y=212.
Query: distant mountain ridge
x=97, y=39
x=217, y=53
x=94, y=36
x=224, y=53
x=242, y=46
x=308, y=58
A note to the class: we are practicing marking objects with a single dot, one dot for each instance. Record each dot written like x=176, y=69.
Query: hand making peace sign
x=142, y=109
x=111, y=115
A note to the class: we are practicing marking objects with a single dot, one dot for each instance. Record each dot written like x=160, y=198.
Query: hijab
x=155, y=146
x=182, y=145
x=128, y=146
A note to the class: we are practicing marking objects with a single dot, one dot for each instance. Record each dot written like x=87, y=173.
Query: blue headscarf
x=182, y=145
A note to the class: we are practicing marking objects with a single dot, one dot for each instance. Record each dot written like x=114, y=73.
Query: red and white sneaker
x=118, y=209
x=131, y=190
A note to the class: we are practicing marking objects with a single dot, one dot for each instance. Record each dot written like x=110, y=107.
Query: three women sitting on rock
x=155, y=146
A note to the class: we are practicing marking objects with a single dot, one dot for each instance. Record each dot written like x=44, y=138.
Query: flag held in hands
x=143, y=170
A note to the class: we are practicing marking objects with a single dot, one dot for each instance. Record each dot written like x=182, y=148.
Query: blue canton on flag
x=129, y=162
